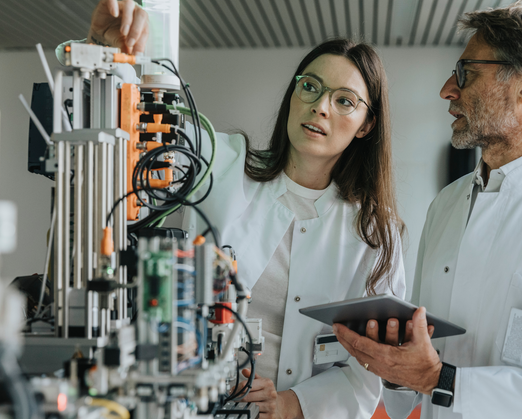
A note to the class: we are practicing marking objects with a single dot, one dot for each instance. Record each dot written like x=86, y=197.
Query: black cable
x=190, y=99
x=107, y=221
x=248, y=386
x=66, y=104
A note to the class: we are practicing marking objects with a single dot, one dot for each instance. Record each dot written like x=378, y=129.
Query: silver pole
x=58, y=237
x=79, y=202
x=66, y=238
x=89, y=235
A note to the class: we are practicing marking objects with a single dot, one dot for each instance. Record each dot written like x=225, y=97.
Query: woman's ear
x=366, y=128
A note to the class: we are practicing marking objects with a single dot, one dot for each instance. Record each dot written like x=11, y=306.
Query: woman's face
x=338, y=131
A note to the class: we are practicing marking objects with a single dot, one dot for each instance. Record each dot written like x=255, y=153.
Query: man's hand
x=121, y=24
x=272, y=404
x=414, y=364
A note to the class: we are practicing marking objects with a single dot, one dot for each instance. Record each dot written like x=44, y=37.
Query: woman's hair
x=363, y=173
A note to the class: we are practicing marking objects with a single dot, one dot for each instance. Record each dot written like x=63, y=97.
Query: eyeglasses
x=343, y=101
x=461, y=73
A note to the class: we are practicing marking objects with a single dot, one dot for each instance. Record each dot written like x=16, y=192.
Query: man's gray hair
x=502, y=30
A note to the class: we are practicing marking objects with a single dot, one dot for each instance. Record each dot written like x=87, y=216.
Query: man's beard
x=490, y=121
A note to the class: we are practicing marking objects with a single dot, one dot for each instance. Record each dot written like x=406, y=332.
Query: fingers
x=372, y=330
x=431, y=330
x=141, y=43
x=420, y=325
x=138, y=28
x=127, y=14
x=246, y=372
x=112, y=6
x=345, y=337
x=392, y=332
x=408, y=334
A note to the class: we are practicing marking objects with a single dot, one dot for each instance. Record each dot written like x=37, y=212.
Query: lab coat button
x=289, y=371
x=446, y=269
x=303, y=230
x=297, y=299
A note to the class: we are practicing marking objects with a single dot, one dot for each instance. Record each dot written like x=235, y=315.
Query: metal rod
x=78, y=215
x=66, y=237
x=58, y=237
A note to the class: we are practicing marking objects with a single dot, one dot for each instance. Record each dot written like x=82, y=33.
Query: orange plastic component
x=221, y=315
x=151, y=145
x=199, y=240
x=158, y=128
x=234, y=264
x=107, y=245
x=68, y=48
x=158, y=183
x=157, y=118
x=129, y=119
x=124, y=58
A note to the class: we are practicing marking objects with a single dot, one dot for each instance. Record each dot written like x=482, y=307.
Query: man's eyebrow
x=319, y=78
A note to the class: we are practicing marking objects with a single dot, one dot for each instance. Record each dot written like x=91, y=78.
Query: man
x=469, y=267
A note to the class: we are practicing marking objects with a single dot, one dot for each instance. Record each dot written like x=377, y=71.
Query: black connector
x=153, y=107
x=146, y=352
x=102, y=285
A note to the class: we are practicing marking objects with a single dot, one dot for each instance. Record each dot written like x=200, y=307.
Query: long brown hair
x=363, y=173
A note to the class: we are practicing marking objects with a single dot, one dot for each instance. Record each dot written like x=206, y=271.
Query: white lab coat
x=472, y=276
x=329, y=262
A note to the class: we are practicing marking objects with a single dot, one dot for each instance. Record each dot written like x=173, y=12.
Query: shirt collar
x=496, y=177
x=322, y=205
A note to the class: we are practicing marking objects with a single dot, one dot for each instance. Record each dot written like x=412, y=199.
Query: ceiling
x=256, y=23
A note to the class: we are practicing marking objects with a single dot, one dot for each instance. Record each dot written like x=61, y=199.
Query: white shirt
x=470, y=272
x=329, y=262
x=270, y=292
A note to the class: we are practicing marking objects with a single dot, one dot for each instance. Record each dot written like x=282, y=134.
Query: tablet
x=355, y=314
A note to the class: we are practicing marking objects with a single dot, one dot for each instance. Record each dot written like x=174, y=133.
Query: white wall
x=241, y=89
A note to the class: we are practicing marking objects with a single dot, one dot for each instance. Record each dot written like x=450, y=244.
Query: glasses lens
x=461, y=75
x=344, y=102
x=308, y=89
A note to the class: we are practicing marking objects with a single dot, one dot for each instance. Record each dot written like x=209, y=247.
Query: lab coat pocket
x=513, y=299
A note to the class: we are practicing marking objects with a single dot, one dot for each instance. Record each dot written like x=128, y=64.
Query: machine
x=129, y=319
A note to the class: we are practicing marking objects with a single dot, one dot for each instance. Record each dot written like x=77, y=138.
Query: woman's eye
x=346, y=102
x=309, y=87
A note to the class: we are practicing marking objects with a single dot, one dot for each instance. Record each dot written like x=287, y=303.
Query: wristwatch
x=442, y=395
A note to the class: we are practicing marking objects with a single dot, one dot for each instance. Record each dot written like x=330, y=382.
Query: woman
x=312, y=220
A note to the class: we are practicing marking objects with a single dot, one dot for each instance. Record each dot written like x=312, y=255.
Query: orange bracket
x=130, y=118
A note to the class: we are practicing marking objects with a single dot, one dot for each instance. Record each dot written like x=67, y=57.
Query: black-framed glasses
x=343, y=101
x=461, y=73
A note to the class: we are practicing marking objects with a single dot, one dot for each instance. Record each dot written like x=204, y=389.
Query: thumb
x=246, y=372
x=420, y=324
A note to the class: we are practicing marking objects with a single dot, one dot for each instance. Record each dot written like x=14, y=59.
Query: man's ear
x=366, y=128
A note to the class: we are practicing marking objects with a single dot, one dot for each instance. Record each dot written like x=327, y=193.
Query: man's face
x=484, y=107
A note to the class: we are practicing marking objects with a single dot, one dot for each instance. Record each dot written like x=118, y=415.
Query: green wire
x=212, y=134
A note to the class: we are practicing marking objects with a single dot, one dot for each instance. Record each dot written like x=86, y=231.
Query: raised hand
x=121, y=24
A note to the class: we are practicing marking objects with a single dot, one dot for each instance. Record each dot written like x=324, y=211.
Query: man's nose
x=450, y=90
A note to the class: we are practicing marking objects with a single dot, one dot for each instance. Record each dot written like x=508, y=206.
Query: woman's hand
x=121, y=24
x=272, y=404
